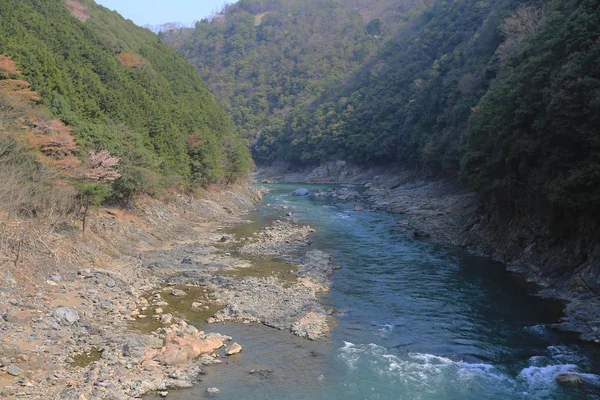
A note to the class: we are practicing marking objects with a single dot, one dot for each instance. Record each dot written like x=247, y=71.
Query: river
x=414, y=320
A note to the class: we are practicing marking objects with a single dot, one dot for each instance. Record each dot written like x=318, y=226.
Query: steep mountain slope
x=267, y=59
x=534, y=140
x=121, y=90
x=411, y=102
x=502, y=92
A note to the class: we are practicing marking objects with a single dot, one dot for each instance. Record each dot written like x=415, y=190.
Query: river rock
x=196, y=306
x=569, y=380
x=235, y=348
x=111, y=283
x=133, y=347
x=417, y=233
x=300, y=192
x=14, y=370
x=65, y=316
x=183, y=346
x=312, y=326
x=212, y=391
x=178, y=293
x=166, y=319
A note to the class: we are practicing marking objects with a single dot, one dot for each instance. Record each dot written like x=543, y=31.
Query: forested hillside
x=411, y=102
x=119, y=91
x=501, y=93
x=266, y=60
x=533, y=141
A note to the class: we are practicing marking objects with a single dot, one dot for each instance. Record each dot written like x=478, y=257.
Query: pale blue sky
x=155, y=12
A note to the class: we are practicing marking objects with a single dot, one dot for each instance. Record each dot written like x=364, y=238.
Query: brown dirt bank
x=562, y=265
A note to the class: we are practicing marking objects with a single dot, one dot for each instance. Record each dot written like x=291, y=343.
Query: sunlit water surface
x=415, y=320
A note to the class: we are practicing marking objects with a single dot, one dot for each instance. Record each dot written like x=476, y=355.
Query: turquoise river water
x=415, y=321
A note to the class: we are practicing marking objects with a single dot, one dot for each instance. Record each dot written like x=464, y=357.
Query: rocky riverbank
x=106, y=316
x=560, y=266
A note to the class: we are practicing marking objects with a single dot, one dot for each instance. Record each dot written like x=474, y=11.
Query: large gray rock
x=14, y=370
x=300, y=192
x=569, y=380
x=65, y=316
x=133, y=347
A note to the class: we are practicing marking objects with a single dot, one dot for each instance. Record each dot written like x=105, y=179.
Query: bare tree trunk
x=84, y=218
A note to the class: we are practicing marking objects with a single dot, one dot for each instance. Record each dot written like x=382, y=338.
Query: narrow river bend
x=415, y=320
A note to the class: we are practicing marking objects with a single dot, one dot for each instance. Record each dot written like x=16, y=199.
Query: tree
x=90, y=195
x=92, y=188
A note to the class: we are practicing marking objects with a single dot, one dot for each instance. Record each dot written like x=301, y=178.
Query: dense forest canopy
x=267, y=59
x=121, y=90
x=501, y=93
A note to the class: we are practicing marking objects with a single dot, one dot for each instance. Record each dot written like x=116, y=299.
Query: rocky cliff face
x=563, y=265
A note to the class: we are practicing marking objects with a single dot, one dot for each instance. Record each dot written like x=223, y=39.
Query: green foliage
x=504, y=92
x=118, y=85
x=92, y=194
x=374, y=27
x=238, y=161
x=266, y=59
x=410, y=103
x=134, y=180
x=534, y=140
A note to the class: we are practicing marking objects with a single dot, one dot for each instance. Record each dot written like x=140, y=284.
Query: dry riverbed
x=120, y=313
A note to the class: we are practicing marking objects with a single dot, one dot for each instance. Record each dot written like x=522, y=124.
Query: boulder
x=134, y=347
x=65, y=316
x=180, y=349
x=569, y=380
x=301, y=192
x=212, y=391
x=417, y=233
x=311, y=326
x=14, y=370
x=166, y=319
x=235, y=348
x=178, y=293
